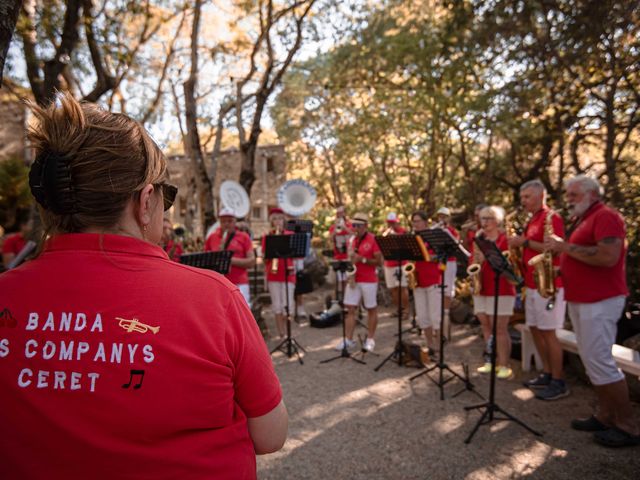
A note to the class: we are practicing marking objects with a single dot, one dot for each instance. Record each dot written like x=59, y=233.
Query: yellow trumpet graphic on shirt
x=134, y=325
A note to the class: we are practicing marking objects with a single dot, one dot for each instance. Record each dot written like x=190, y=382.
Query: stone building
x=13, y=121
x=270, y=175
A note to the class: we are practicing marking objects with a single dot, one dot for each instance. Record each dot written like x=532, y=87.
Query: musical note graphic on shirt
x=7, y=320
x=132, y=374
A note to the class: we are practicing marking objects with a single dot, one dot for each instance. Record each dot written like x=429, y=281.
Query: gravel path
x=349, y=422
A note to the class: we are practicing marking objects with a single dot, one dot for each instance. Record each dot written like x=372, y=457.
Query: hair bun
x=51, y=183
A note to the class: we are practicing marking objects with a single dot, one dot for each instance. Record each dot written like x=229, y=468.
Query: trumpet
x=409, y=270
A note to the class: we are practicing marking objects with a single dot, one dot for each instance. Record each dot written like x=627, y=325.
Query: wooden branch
x=9, y=11
x=29, y=39
x=105, y=81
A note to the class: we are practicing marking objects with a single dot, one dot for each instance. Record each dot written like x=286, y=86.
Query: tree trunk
x=9, y=10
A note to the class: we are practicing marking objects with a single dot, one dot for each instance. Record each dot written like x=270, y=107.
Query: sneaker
x=486, y=368
x=349, y=344
x=541, y=381
x=369, y=344
x=504, y=372
x=591, y=424
x=555, y=390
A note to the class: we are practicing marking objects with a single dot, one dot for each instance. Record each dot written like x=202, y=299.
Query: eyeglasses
x=487, y=218
x=169, y=193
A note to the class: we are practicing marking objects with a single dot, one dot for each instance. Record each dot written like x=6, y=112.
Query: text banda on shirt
x=39, y=349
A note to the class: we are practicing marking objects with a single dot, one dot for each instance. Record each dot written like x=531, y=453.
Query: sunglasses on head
x=169, y=193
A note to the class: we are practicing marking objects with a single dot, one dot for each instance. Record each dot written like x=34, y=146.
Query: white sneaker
x=369, y=344
x=350, y=344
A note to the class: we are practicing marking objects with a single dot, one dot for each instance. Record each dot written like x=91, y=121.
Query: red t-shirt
x=278, y=276
x=586, y=283
x=366, y=248
x=488, y=276
x=127, y=365
x=340, y=240
x=394, y=263
x=535, y=231
x=240, y=245
x=174, y=250
x=471, y=234
x=13, y=244
x=428, y=273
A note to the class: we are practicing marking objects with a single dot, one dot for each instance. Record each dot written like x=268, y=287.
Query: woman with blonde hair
x=491, y=220
x=123, y=363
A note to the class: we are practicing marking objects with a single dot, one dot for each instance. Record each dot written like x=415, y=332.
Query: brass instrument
x=274, y=262
x=223, y=240
x=134, y=325
x=351, y=275
x=543, y=271
x=409, y=270
x=473, y=271
x=513, y=228
x=387, y=232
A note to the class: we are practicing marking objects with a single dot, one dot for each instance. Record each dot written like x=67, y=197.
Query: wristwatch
x=526, y=243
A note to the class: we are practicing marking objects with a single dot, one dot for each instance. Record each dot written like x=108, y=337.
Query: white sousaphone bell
x=234, y=196
x=296, y=197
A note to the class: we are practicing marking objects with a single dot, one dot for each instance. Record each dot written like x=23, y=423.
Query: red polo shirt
x=366, y=247
x=535, y=231
x=122, y=363
x=240, y=245
x=278, y=275
x=174, y=250
x=340, y=241
x=428, y=273
x=13, y=243
x=488, y=276
x=586, y=283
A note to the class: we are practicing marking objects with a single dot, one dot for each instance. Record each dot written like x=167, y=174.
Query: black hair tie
x=51, y=183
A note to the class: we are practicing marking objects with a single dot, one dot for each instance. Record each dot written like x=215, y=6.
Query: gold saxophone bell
x=409, y=270
x=351, y=274
x=544, y=273
x=473, y=271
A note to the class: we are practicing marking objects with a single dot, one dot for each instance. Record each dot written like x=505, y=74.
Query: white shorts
x=450, y=278
x=484, y=304
x=391, y=277
x=595, y=325
x=245, y=291
x=537, y=315
x=341, y=276
x=366, y=291
x=277, y=292
x=428, y=306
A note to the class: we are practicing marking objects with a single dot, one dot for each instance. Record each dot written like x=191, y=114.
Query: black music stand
x=500, y=266
x=342, y=266
x=299, y=226
x=285, y=247
x=445, y=245
x=217, y=261
x=400, y=247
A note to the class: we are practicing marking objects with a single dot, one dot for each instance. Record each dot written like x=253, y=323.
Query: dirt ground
x=348, y=421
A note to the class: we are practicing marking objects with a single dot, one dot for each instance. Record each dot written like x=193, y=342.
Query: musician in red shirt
x=397, y=286
x=339, y=234
x=593, y=271
x=15, y=242
x=444, y=220
x=365, y=255
x=427, y=295
x=228, y=237
x=281, y=285
x=169, y=243
x=543, y=315
x=491, y=219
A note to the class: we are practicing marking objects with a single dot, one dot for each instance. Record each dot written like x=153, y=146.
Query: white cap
x=227, y=212
x=392, y=217
x=444, y=211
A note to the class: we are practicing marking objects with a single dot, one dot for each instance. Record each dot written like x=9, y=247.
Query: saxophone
x=543, y=271
x=274, y=262
x=473, y=271
x=410, y=271
x=351, y=269
x=513, y=229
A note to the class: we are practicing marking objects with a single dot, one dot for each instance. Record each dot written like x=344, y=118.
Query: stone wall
x=270, y=175
x=13, y=116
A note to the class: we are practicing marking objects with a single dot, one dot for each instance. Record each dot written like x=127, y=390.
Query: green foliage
x=14, y=190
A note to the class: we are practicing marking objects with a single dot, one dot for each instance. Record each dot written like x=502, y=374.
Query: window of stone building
x=271, y=164
x=257, y=213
